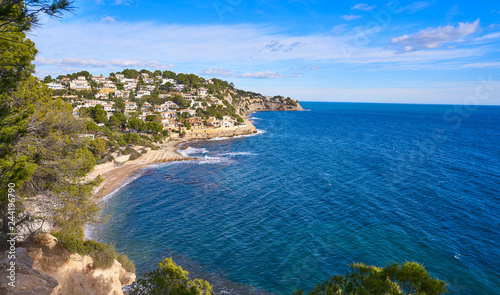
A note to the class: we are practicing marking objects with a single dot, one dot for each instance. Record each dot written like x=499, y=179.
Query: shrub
x=102, y=254
x=131, y=137
x=128, y=151
x=127, y=264
x=134, y=156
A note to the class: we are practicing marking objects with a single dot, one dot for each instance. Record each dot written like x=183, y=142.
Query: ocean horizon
x=314, y=191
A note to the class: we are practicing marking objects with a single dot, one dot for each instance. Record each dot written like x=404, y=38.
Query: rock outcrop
x=43, y=266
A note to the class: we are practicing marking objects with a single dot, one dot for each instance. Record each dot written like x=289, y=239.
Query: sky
x=438, y=52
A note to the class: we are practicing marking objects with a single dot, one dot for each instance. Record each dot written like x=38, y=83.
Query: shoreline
x=116, y=177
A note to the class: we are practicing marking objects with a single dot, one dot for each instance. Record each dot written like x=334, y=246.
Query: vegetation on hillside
x=41, y=150
x=170, y=278
x=392, y=279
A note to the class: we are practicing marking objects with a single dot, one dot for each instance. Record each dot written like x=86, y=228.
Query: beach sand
x=115, y=176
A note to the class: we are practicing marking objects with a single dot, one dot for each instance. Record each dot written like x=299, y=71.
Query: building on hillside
x=146, y=106
x=214, y=122
x=80, y=84
x=196, y=123
x=179, y=87
x=165, y=81
x=142, y=93
x=130, y=106
x=171, y=105
x=227, y=121
x=164, y=95
x=191, y=112
x=92, y=103
x=101, y=95
x=169, y=114
x=121, y=93
x=202, y=91
x=56, y=86
x=169, y=123
x=160, y=108
x=119, y=76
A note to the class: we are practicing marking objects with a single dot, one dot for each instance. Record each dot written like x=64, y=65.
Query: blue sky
x=354, y=51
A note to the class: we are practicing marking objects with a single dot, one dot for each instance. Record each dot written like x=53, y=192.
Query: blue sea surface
x=316, y=190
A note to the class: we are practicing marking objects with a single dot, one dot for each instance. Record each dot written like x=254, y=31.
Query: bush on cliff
x=394, y=279
x=103, y=255
x=170, y=278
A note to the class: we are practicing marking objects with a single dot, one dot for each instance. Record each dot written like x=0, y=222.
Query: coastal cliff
x=247, y=102
x=44, y=266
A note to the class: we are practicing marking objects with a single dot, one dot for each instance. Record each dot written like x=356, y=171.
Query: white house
x=189, y=111
x=171, y=105
x=202, y=91
x=130, y=106
x=169, y=114
x=160, y=108
x=146, y=106
x=227, y=121
x=56, y=86
x=79, y=84
x=179, y=87
x=92, y=103
x=142, y=93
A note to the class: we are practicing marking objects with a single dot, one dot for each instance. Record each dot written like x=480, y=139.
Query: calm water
x=317, y=190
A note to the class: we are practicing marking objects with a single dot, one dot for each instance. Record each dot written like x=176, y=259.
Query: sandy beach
x=114, y=176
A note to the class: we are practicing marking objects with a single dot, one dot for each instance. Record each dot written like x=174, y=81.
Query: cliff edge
x=44, y=267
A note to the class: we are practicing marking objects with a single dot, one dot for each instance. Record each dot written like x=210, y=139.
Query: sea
x=314, y=191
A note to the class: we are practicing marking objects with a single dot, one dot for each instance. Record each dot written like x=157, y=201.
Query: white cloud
x=350, y=17
x=362, y=6
x=263, y=75
x=415, y=6
x=435, y=37
x=482, y=65
x=110, y=65
x=108, y=19
x=218, y=72
x=249, y=48
x=489, y=36
x=124, y=2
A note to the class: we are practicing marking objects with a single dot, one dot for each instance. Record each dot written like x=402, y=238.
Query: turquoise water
x=317, y=190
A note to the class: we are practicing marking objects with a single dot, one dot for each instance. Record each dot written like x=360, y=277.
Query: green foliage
x=40, y=150
x=129, y=73
x=127, y=264
x=113, y=123
x=131, y=138
x=119, y=106
x=121, y=117
x=98, y=147
x=154, y=127
x=187, y=125
x=103, y=255
x=134, y=156
x=394, y=279
x=170, y=278
x=137, y=124
x=240, y=119
x=128, y=151
x=98, y=114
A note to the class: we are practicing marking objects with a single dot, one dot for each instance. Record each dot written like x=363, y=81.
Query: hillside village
x=157, y=102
